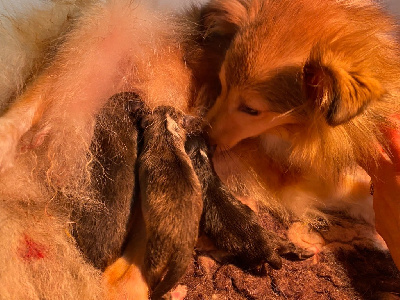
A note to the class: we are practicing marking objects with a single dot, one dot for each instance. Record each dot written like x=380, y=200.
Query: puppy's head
x=320, y=68
x=164, y=123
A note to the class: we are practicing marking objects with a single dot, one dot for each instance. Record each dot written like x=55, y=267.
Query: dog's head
x=312, y=66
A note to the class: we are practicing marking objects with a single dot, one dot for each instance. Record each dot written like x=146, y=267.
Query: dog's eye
x=248, y=110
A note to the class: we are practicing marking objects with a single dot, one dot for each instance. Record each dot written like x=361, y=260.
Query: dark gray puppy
x=102, y=230
x=231, y=225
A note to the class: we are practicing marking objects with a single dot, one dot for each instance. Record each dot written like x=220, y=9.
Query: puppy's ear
x=223, y=18
x=338, y=88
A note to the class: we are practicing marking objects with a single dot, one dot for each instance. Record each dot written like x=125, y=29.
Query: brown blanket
x=351, y=265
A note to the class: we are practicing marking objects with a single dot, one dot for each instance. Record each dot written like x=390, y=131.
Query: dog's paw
x=124, y=280
x=283, y=248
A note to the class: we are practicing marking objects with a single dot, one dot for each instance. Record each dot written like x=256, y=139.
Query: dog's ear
x=223, y=18
x=337, y=87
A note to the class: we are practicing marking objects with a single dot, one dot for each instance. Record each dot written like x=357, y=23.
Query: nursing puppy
x=231, y=225
x=101, y=232
x=171, y=199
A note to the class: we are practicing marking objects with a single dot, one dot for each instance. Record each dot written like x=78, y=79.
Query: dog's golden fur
x=311, y=84
x=303, y=89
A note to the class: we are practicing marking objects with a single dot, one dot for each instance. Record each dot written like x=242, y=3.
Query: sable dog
x=303, y=89
x=307, y=88
x=300, y=97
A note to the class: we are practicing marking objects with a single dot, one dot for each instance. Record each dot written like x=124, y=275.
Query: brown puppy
x=171, y=199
